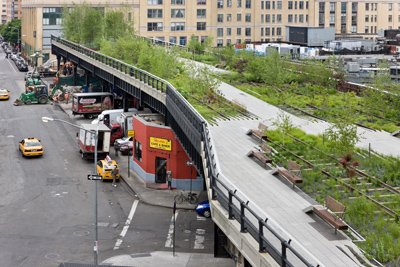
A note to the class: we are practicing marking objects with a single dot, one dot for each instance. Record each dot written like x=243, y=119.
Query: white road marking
x=199, y=239
x=11, y=66
x=127, y=223
x=201, y=218
x=168, y=242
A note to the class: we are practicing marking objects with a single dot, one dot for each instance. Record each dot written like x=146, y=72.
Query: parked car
x=121, y=141
x=126, y=149
x=22, y=66
x=203, y=209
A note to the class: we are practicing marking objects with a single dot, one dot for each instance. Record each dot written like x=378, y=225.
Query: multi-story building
x=43, y=18
x=13, y=9
x=3, y=11
x=226, y=21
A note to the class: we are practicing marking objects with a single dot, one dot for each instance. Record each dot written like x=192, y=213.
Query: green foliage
x=83, y=24
x=342, y=137
x=115, y=25
x=10, y=31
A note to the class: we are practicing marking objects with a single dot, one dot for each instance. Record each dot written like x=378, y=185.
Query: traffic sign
x=93, y=177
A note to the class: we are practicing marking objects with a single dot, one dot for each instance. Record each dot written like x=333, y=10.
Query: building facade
x=43, y=18
x=226, y=21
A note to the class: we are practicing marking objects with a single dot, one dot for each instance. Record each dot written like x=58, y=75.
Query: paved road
x=47, y=204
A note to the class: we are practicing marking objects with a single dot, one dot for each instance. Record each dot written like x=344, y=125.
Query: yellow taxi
x=4, y=94
x=105, y=167
x=31, y=146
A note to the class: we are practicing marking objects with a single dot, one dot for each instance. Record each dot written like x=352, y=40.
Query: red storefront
x=157, y=152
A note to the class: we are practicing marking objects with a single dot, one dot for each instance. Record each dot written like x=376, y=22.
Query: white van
x=111, y=115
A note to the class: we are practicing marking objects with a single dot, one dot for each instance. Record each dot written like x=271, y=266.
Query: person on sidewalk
x=114, y=176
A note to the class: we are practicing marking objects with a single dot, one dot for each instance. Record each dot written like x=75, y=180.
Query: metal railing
x=134, y=72
x=196, y=131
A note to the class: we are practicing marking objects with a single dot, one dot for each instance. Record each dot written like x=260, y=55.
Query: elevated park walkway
x=263, y=218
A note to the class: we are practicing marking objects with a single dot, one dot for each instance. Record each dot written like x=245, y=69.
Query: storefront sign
x=131, y=133
x=160, y=143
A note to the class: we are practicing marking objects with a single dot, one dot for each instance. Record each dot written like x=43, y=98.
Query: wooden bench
x=332, y=213
x=291, y=177
x=259, y=155
x=258, y=133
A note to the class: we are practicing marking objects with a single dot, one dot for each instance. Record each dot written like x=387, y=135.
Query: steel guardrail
x=227, y=199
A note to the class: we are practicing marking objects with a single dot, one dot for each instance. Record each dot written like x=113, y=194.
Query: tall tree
x=83, y=24
x=115, y=25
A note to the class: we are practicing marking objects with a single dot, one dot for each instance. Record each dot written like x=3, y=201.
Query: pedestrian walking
x=114, y=176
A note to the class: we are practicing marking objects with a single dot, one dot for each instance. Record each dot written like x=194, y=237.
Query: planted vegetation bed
x=366, y=183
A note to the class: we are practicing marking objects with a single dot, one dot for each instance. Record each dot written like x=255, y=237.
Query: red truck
x=91, y=104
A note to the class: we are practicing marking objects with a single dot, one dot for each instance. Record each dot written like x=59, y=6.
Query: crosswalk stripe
x=127, y=223
x=169, y=242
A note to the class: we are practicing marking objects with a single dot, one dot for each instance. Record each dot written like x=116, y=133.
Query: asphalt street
x=47, y=204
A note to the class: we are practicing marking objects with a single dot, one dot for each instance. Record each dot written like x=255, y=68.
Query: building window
x=239, y=3
x=228, y=3
x=343, y=7
x=154, y=2
x=366, y=6
x=248, y=18
x=279, y=18
x=228, y=17
x=279, y=31
x=201, y=2
x=182, y=40
x=390, y=18
x=331, y=19
x=154, y=27
x=262, y=32
x=220, y=18
x=332, y=7
x=366, y=29
x=262, y=18
x=279, y=5
x=52, y=16
x=354, y=7
x=228, y=41
x=267, y=31
x=268, y=18
x=353, y=29
x=154, y=13
x=248, y=32
x=262, y=4
x=238, y=31
x=295, y=4
x=220, y=32
x=177, y=2
x=290, y=18
x=177, y=26
x=268, y=5
x=228, y=31
x=301, y=18
x=272, y=31
x=201, y=13
x=301, y=5
x=138, y=151
x=220, y=42
x=172, y=39
x=177, y=13
x=366, y=18
x=239, y=17
x=390, y=6
x=220, y=4
x=201, y=26
x=290, y=5
x=248, y=3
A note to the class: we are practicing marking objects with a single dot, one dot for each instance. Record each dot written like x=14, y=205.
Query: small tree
x=342, y=137
x=284, y=124
x=203, y=84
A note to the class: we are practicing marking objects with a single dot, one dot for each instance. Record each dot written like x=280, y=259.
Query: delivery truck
x=91, y=104
x=86, y=140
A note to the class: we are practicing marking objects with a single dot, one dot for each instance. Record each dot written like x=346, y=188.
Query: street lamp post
x=18, y=39
x=190, y=164
x=94, y=135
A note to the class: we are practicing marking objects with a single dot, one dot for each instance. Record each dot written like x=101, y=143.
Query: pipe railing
x=268, y=238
